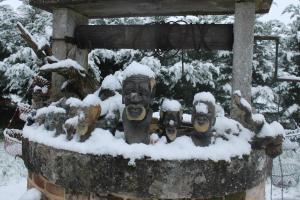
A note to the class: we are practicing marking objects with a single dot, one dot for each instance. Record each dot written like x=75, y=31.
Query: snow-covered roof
x=138, y=69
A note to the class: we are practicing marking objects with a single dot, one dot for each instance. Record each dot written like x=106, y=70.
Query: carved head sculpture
x=138, y=93
x=86, y=119
x=204, y=112
x=170, y=118
x=38, y=98
x=82, y=115
x=54, y=118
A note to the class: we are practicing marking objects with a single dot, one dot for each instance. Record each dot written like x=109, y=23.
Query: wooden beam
x=156, y=36
x=131, y=8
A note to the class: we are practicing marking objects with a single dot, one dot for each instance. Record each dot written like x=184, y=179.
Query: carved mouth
x=135, y=112
x=171, y=133
x=202, y=126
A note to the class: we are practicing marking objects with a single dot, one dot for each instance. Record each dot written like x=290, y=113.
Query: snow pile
x=68, y=63
x=271, y=130
x=137, y=69
x=111, y=82
x=298, y=36
x=220, y=112
x=229, y=127
x=72, y=121
x=170, y=105
x=187, y=118
x=74, y=102
x=201, y=108
x=259, y=118
x=49, y=109
x=102, y=142
x=112, y=104
x=204, y=96
x=89, y=100
x=32, y=194
x=11, y=168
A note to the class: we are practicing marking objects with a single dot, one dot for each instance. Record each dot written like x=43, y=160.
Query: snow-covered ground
x=12, y=176
x=291, y=193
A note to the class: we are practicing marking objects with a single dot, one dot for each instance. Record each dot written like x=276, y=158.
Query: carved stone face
x=203, y=116
x=137, y=96
x=170, y=121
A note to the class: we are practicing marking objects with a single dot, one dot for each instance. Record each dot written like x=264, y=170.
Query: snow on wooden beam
x=288, y=79
x=156, y=36
x=130, y=8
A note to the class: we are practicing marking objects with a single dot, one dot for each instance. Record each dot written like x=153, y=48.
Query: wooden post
x=64, y=24
x=243, y=48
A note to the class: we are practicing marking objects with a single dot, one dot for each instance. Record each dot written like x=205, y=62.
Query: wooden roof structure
x=132, y=8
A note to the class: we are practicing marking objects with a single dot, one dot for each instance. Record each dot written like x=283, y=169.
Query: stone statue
x=86, y=123
x=170, y=119
x=138, y=91
x=242, y=112
x=82, y=116
x=203, y=118
x=52, y=117
x=40, y=92
x=112, y=103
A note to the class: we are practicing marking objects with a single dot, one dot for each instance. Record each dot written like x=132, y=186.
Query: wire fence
x=286, y=167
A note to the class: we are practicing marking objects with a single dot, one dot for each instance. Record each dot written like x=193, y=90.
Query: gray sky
x=275, y=12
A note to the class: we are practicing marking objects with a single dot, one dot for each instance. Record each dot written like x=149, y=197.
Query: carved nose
x=135, y=97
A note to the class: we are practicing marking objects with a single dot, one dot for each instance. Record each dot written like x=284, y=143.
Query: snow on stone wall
x=102, y=142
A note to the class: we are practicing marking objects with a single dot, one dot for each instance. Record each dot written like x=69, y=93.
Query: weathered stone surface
x=147, y=179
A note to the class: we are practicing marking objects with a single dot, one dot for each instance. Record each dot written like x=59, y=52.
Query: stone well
x=61, y=174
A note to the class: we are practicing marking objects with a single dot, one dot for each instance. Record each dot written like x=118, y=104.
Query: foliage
x=180, y=74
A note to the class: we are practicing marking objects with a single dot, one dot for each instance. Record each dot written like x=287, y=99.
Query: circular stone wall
x=147, y=178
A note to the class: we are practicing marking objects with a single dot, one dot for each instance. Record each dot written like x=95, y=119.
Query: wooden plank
x=131, y=8
x=266, y=37
x=156, y=36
